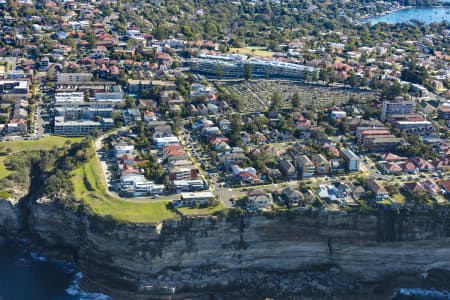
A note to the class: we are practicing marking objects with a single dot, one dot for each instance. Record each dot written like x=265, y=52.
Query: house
x=258, y=200
x=136, y=86
x=337, y=166
x=183, y=172
x=17, y=126
x=225, y=125
x=131, y=182
x=215, y=140
x=359, y=191
x=245, y=137
x=160, y=142
x=150, y=116
x=245, y=176
x=193, y=111
x=408, y=167
x=442, y=164
x=331, y=150
x=445, y=185
x=391, y=168
x=288, y=169
x=170, y=97
x=321, y=164
x=392, y=157
x=122, y=149
x=293, y=197
x=422, y=164
x=213, y=109
x=222, y=147
x=126, y=159
x=131, y=115
x=259, y=138
x=431, y=186
x=301, y=123
x=194, y=199
x=229, y=159
x=175, y=109
x=172, y=150
x=337, y=114
x=161, y=131
x=189, y=185
x=274, y=174
x=413, y=187
x=305, y=166
x=208, y=131
x=202, y=109
x=379, y=192
x=338, y=193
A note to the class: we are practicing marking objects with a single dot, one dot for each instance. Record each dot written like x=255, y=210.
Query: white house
x=191, y=199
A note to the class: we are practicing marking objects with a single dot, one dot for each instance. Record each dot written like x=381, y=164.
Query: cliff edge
x=288, y=255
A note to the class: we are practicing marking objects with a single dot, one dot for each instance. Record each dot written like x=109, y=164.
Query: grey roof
x=350, y=154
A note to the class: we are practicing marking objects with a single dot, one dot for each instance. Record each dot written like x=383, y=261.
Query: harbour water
x=422, y=14
x=25, y=275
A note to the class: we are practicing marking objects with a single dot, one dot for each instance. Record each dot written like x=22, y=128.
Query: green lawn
x=3, y=170
x=46, y=143
x=398, y=198
x=258, y=51
x=192, y=211
x=90, y=188
x=385, y=201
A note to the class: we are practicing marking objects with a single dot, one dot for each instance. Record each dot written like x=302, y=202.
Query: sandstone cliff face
x=10, y=217
x=320, y=255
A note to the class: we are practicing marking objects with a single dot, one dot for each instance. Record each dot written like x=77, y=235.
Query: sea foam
x=75, y=290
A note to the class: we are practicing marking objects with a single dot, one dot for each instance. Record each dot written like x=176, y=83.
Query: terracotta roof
x=376, y=187
x=375, y=132
x=444, y=108
x=407, y=166
x=393, y=157
x=392, y=167
x=248, y=174
x=414, y=187
x=445, y=184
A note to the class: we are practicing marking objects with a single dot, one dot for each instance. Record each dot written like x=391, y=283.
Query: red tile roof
x=414, y=187
x=445, y=184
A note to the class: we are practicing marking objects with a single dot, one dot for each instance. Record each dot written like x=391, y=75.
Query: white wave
x=75, y=290
x=38, y=257
x=433, y=294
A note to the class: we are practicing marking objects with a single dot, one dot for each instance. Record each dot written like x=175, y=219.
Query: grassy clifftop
x=90, y=188
x=46, y=143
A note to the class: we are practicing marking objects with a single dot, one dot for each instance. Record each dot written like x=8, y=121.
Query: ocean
x=25, y=275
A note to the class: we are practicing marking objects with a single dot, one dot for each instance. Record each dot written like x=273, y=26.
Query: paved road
x=368, y=168
x=98, y=150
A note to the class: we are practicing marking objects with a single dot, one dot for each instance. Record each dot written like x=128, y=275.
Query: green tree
x=296, y=101
x=275, y=101
x=247, y=72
